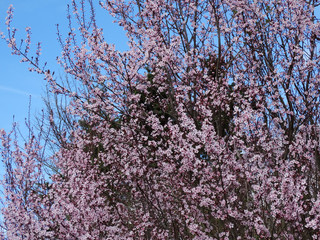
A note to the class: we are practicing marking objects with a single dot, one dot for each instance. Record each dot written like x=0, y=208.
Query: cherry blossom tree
x=206, y=128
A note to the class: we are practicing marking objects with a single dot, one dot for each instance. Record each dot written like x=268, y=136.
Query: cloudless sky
x=16, y=82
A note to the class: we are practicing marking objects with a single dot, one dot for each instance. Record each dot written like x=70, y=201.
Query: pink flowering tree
x=206, y=128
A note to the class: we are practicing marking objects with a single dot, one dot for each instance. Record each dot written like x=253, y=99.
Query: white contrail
x=17, y=91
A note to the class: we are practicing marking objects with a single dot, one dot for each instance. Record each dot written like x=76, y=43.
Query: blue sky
x=16, y=82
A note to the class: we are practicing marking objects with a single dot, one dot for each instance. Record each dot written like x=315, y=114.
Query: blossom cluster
x=206, y=128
